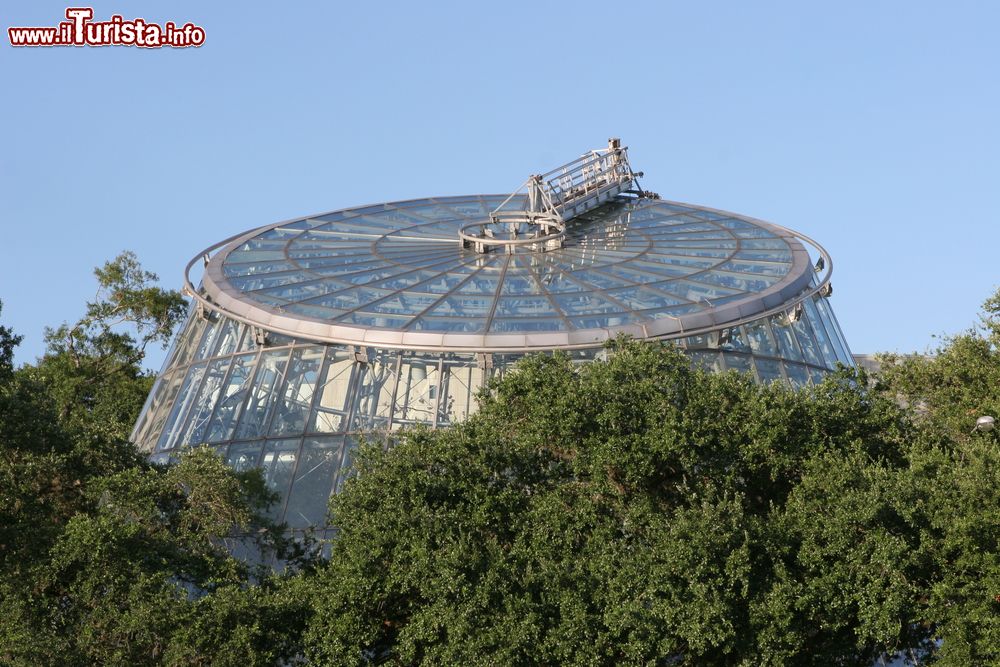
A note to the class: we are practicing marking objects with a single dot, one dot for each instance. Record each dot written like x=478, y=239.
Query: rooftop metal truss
x=553, y=199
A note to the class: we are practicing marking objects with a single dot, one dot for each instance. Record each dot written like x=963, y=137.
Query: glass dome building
x=306, y=333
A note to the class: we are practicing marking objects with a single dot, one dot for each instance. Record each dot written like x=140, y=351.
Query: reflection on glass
x=768, y=370
x=416, y=396
x=263, y=394
x=278, y=465
x=374, y=399
x=243, y=456
x=462, y=379
x=759, y=336
x=174, y=424
x=208, y=397
x=313, y=483
x=297, y=396
x=331, y=410
x=231, y=399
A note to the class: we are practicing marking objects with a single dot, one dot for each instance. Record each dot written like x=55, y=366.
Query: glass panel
x=826, y=348
x=734, y=339
x=155, y=409
x=297, y=397
x=179, y=338
x=831, y=330
x=231, y=399
x=709, y=361
x=215, y=325
x=461, y=380
x=785, y=337
x=243, y=456
x=314, y=478
x=739, y=362
x=192, y=337
x=263, y=395
x=416, y=396
x=172, y=427
x=201, y=410
x=247, y=342
x=798, y=376
x=803, y=333
x=760, y=338
x=374, y=401
x=345, y=472
x=331, y=409
x=769, y=370
x=278, y=466
x=229, y=338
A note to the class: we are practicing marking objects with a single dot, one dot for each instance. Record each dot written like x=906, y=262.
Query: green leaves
x=633, y=510
x=104, y=558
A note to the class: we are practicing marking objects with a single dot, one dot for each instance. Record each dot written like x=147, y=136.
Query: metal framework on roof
x=393, y=275
x=308, y=333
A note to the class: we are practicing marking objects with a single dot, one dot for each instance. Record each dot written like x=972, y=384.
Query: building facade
x=306, y=334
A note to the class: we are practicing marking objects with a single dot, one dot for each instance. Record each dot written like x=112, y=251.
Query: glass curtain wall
x=296, y=409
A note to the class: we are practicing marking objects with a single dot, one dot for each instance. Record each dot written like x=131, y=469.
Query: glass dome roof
x=396, y=275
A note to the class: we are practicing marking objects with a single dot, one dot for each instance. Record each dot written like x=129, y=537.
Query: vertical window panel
x=190, y=339
x=734, y=339
x=173, y=426
x=243, y=456
x=832, y=330
x=154, y=412
x=416, y=395
x=768, y=370
x=313, y=483
x=346, y=462
x=263, y=394
x=278, y=467
x=761, y=341
x=297, y=395
x=826, y=348
x=798, y=375
x=709, y=361
x=212, y=330
x=331, y=409
x=196, y=422
x=231, y=399
x=785, y=337
x=229, y=338
x=810, y=349
x=739, y=362
x=461, y=380
x=374, y=400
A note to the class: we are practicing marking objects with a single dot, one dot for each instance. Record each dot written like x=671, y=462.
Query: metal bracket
x=259, y=337
x=201, y=311
x=360, y=353
x=484, y=360
x=826, y=290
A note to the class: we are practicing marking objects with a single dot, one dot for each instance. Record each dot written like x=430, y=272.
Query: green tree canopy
x=104, y=558
x=631, y=511
x=956, y=485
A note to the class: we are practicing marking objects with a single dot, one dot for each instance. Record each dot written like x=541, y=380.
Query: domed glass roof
x=397, y=275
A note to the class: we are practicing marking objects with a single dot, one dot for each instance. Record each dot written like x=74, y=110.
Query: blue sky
x=870, y=126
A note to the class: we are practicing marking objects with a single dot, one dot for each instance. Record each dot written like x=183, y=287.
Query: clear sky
x=873, y=127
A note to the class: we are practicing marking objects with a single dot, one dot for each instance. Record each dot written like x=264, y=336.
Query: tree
x=630, y=511
x=105, y=558
x=956, y=483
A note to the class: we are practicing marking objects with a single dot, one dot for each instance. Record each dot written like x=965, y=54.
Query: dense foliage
x=948, y=391
x=631, y=511
x=105, y=559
